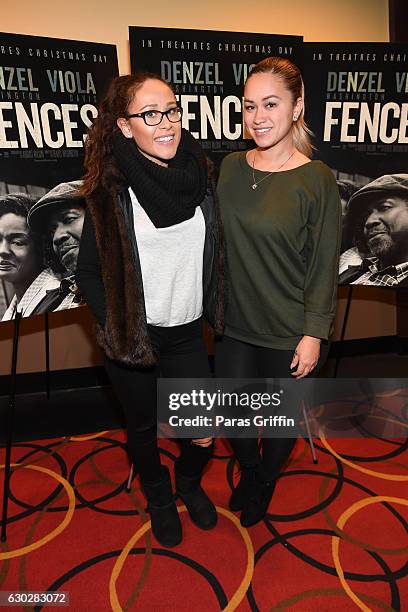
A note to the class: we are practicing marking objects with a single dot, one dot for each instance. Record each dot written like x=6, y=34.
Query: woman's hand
x=306, y=356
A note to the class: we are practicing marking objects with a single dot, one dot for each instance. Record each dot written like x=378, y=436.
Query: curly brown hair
x=100, y=168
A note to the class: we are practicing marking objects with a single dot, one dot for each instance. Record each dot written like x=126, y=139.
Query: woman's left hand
x=306, y=356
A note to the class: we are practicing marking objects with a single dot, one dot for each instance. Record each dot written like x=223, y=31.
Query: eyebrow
x=17, y=234
x=265, y=98
x=154, y=106
x=58, y=216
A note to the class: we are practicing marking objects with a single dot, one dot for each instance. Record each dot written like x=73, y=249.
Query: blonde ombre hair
x=290, y=75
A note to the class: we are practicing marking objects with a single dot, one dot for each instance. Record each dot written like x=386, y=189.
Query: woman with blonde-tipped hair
x=281, y=214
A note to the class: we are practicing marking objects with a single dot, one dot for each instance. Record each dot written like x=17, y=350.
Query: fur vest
x=124, y=336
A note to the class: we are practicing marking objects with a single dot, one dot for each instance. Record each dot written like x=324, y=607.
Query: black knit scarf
x=169, y=195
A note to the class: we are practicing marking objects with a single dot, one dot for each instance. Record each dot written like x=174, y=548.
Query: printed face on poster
x=207, y=70
x=356, y=105
x=49, y=94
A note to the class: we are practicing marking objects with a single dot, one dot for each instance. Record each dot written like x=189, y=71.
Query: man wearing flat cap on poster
x=59, y=216
x=377, y=220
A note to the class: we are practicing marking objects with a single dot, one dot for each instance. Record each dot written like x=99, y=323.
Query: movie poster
x=207, y=70
x=49, y=94
x=357, y=107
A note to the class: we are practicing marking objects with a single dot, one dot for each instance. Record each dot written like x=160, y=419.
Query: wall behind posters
x=317, y=20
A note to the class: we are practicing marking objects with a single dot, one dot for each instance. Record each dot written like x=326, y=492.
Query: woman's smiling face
x=158, y=143
x=269, y=109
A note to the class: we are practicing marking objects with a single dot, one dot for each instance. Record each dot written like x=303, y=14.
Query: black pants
x=236, y=359
x=181, y=353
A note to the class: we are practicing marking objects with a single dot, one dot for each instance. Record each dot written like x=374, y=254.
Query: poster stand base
x=11, y=410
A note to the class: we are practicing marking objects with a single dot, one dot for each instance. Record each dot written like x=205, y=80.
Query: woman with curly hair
x=150, y=267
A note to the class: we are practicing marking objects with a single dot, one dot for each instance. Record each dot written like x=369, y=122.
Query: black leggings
x=236, y=359
x=181, y=353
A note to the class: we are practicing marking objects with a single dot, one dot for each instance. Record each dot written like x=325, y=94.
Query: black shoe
x=257, y=503
x=166, y=525
x=200, y=508
x=242, y=490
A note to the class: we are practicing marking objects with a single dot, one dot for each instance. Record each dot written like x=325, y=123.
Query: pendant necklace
x=255, y=182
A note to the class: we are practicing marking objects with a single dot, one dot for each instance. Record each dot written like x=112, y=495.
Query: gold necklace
x=255, y=182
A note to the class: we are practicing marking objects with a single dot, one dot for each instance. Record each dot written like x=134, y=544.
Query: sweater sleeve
x=88, y=273
x=322, y=258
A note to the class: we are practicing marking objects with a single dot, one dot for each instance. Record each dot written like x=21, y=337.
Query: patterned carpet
x=335, y=537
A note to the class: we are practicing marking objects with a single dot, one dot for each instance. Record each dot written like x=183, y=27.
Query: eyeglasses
x=154, y=117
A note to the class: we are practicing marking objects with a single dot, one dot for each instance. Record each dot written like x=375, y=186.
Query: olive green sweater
x=283, y=246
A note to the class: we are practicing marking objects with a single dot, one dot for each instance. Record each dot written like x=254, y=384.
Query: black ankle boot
x=256, y=505
x=242, y=490
x=200, y=508
x=166, y=525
